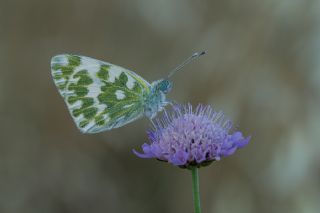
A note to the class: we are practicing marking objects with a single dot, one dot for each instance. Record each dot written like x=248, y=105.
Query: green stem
x=195, y=189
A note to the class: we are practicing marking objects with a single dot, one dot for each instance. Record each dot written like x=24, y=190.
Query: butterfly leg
x=153, y=124
x=171, y=103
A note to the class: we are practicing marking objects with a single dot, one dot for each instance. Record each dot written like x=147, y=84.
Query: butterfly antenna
x=187, y=61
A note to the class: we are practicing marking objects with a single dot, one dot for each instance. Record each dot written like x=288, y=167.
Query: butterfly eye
x=165, y=86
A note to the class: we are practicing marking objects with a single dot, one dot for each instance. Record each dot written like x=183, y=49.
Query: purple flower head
x=187, y=137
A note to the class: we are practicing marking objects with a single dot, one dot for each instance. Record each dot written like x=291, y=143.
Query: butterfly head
x=163, y=85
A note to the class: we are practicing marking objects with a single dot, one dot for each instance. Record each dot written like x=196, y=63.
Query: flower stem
x=195, y=189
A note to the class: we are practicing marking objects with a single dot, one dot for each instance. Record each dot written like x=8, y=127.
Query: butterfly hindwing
x=99, y=95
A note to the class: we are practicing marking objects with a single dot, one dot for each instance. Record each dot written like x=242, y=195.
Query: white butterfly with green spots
x=101, y=96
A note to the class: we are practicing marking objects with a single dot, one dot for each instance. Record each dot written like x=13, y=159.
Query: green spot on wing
x=56, y=66
x=103, y=72
x=74, y=60
x=83, y=123
x=84, y=78
x=86, y=102
x=78, y=89
x=68, y=70
x=89, y=113
x=72, y=99
x=137, y=89
x=57, y=77
x=108, y=98
x=62, y=86
x=123, y=79
x=99, y=120
x=107, y=85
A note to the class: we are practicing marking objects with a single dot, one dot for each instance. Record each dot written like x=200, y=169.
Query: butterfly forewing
x=99, y=95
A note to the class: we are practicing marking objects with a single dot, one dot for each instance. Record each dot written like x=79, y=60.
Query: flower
x=187, y=137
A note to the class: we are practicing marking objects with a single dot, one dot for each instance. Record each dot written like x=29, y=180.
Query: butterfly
x=101, y=96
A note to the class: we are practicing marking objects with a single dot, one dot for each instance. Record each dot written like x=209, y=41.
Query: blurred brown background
x=262, y=69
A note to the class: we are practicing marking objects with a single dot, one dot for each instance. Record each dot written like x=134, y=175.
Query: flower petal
x=243, y=142
x=147, y=152
x=179, y=158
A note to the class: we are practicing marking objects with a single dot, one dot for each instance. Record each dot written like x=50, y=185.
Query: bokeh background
x=262, y=69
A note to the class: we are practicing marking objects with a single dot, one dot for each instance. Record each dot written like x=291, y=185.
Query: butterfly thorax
x=155, y=101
